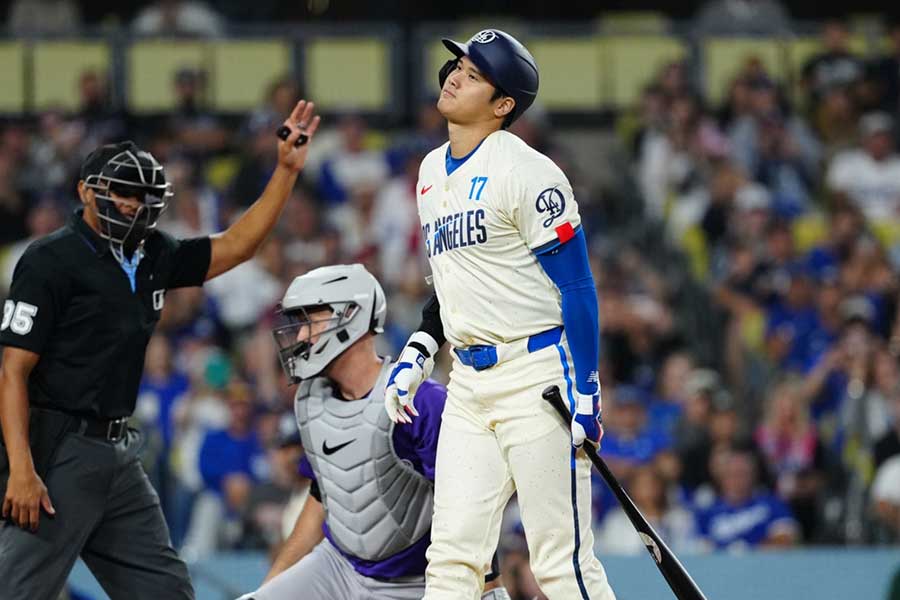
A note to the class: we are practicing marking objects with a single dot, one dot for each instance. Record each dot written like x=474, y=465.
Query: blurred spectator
x=395, y=226
x=888, y=445
x=351, y=165
x=231, y=461
x=774, y=146
x=671, y=167
x=101, y=121
x=836, y=121
x=628, y=441
x=267, y=503
x=884, y=71
x=44, y=218
x=700, y=388
x=280, y=97
x=724, y=431
x=716, y=220
x=869, y=176
x=247, y=291
x=741, y=17
x=257, y=160
x=674, y=523
x=836, y=67
x=790, y=444
x=791, y=318
x=309, y=243
x=197, y=131
x=162, y=389
x=167, y=17
x=43, y=16
x=886, y=497
x=744, y=517
x=13, y=202
x=667, y=406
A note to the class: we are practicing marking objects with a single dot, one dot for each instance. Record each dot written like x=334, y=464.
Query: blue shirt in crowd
x=745, y=525
x=164, y=395
x=221, y=455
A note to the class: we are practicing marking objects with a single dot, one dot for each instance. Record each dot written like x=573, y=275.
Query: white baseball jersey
x=481, y=225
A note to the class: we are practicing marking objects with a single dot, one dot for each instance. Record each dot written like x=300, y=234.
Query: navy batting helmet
x=505, y=61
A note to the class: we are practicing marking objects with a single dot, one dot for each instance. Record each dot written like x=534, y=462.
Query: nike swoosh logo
x=329, y=451
x=425, y=189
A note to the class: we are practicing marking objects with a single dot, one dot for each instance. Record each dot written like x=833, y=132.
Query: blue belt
x=484, y=357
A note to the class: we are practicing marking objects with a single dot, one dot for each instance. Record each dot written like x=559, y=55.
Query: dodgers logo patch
x=485, y=36
x=552, y=202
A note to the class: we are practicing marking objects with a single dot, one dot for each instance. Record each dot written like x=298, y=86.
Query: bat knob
x=550, y=392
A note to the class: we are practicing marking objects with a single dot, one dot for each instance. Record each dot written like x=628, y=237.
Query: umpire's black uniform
x=73, y=303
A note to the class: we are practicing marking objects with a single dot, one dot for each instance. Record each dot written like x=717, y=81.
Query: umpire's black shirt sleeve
x=36, y=297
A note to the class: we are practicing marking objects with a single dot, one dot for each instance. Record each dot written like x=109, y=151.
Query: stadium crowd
x=747, y=262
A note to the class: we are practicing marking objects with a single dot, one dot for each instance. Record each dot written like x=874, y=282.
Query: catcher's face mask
x=306, y=337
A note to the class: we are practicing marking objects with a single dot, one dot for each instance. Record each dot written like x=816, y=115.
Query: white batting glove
x=499, y=593
x=586, y=422
x=413, y=367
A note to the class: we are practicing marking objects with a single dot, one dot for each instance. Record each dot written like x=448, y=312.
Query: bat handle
x=284, y=131
x=553, y=396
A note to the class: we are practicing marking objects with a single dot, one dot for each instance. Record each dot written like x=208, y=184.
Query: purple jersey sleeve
x=306, y=469
x=417, y=441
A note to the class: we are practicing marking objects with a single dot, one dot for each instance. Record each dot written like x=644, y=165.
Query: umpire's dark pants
x=107, y=512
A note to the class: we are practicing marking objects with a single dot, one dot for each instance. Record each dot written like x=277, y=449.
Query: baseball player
x=363, y=531
x=515, y=298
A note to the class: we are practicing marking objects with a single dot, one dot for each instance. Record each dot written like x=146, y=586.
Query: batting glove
x=413, y=367
x=587, y=423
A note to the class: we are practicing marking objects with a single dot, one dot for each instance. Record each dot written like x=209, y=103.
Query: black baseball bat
x=676, y=575
x=284, y=131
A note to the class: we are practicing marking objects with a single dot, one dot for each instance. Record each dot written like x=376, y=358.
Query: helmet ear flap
x=445, y=71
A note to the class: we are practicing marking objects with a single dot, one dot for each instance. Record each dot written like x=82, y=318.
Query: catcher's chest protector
x=376, y=504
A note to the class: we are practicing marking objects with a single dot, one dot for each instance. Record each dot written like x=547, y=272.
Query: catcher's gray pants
x=324, y=574
x=106, y=511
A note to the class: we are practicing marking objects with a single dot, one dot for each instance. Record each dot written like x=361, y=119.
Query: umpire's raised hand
x=299, y=128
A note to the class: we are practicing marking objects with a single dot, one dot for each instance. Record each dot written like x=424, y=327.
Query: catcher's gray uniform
x=324, y=574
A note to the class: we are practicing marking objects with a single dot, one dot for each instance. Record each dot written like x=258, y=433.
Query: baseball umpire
x=81, y=309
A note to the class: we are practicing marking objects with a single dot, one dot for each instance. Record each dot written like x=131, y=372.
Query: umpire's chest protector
x=376, y=504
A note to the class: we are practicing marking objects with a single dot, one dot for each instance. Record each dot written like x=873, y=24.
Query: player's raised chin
x=468, y=96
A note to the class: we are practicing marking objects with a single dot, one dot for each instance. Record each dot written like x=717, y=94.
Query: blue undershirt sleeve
x=568, y=266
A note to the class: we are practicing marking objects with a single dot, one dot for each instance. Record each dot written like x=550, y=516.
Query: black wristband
x=431, y=321
x=422, y=349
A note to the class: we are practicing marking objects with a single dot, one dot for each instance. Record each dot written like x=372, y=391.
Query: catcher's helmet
x=505, y=61
x=357, y=306
x=127, y=171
